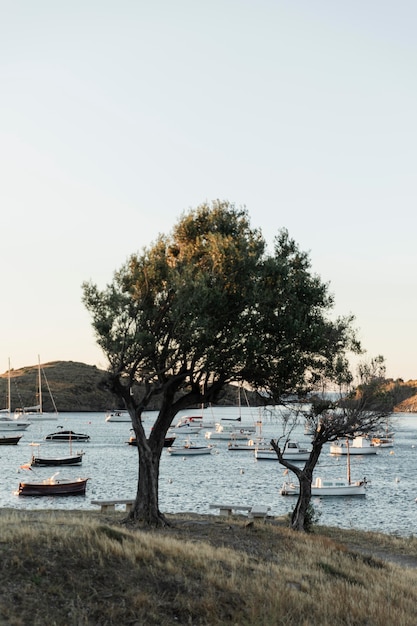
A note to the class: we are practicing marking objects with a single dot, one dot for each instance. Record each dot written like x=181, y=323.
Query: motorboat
x=53, y=486
x=67, y=435
x=292, y=452
x=13, y=440
x=11, y=423
x=189, y=449
x=118, y=415
x=327, y=488
x=358, y=445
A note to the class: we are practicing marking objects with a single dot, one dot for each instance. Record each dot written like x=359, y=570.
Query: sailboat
x=326, y=487
x=7, y=422
x=36, y=413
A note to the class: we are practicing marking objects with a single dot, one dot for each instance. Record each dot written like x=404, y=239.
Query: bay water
x=191, y=483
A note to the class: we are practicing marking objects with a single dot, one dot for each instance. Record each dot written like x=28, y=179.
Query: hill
x=73, y=386
x=76, y=387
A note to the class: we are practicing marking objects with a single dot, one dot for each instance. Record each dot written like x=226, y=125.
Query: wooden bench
x=110, y=505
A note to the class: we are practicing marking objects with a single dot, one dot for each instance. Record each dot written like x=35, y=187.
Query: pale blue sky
x=115, y=117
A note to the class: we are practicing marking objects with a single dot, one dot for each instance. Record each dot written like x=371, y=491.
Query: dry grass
x=89, y=569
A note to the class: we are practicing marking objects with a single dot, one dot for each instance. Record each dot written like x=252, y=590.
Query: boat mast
x=39, y=384
x=9, y=398
x=348, y=461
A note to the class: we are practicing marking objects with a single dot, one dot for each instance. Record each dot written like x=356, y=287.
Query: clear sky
x=115, y=117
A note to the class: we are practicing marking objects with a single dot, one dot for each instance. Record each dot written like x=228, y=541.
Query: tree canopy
x=208, y=305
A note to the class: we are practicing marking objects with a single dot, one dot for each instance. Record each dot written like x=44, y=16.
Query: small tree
x=204, y=307
x=359, y=412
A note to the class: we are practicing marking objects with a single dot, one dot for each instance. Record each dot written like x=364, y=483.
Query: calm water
x=192, y=483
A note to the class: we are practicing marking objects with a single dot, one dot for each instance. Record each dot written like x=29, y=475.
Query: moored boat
x=229, y=432
x=168, y=441
x=53, y=487
x=118, y=415
x=67, y=435
x=250, y=446
x=13, y=440
x=53, y=461
x=327, y=488
x=292, y=452
x=383, y=442
x=36, y=412
x=10, y=423
x=358, y=445
x=188, y=449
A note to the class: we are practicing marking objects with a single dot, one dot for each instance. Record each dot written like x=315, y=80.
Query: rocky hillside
x=76, y=387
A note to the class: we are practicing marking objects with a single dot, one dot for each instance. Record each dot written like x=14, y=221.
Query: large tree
x=205, y=306
x=355, y=410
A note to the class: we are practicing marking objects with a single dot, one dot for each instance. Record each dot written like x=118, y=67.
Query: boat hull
x=67, y=435
x=327, y=490
x=336, y=449
x=9, y=424
x=192, y=451
x=168, y=441
x=271, y=455
x=53, y=488
x=75, y=459
x=118, y=416
x=10, y=441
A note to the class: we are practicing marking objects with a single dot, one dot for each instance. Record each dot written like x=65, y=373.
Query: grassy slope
x=86, y=568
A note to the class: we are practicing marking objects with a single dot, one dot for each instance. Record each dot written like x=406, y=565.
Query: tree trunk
x=299, y=515
x=146, y=507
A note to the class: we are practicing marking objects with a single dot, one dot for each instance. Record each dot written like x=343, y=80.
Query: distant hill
x=73, y=386
x=76, y=387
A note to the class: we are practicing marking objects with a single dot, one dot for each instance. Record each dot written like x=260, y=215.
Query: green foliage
x=207, y=305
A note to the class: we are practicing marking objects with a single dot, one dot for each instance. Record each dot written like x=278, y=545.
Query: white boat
x=7, y=422
x=36, y=412
x=250, y=446
x=358, y=445
x=189, y=449
x=186, y=425
x=118, y=415
x=327, y=488
x=11, y=423
x=229, y=433
x=292, y=452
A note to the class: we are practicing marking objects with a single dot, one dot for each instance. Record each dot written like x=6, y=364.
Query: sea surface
x=192, y=483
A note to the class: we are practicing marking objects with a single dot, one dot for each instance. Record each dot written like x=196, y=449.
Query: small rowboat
x=53, y=487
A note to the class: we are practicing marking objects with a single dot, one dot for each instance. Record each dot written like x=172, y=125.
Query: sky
x=116, y=117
